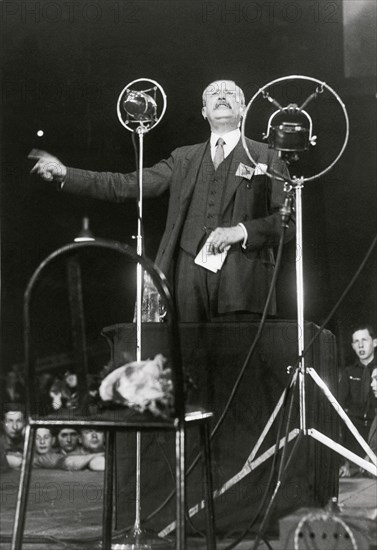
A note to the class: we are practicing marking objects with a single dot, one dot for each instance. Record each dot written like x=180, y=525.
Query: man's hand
x=48, y=167
x=222, y=238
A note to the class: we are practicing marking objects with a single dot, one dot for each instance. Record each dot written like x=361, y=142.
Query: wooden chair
x=75, y=292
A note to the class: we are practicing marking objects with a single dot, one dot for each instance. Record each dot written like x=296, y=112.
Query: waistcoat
x=205, y=210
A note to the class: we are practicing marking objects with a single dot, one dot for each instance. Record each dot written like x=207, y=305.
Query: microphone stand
x=299, y=377
x=139, y=538
x=139, y=291
x=300, y=372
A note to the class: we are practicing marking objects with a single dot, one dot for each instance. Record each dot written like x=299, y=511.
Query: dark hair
x=367, y=327
x=58, y=429
x=12, y=407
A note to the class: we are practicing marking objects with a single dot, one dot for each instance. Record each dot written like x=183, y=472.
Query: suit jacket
x=372, y=437
x=246, y=273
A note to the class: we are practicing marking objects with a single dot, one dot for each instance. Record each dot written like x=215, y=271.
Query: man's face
x=363, y=345
x=223, y=102
x=373, y=383
x=92, y=440
x=43, y=441
x=68, y=439
x=71, y=379
x=14, y=424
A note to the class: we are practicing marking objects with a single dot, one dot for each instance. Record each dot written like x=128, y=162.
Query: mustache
x=222, y=102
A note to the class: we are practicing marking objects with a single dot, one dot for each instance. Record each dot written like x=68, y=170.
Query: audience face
x=93, y=440
x=14, y=424
x=373, y=383
x=70, y=379
x=43, y=441
x=68, y=439
x=363, y=345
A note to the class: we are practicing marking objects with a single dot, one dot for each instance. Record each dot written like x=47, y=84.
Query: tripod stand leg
x=249, y=467
x=271, y=420
x=320, y=383
x=283, y=468
x=368, y=466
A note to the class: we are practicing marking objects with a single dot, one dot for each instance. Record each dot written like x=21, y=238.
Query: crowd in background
x=64, y=448
x=67, y=448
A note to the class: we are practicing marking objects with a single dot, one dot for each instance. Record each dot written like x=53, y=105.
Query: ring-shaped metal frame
x=280, y=177
x=142, y=124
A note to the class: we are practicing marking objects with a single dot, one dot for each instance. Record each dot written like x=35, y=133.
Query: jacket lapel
x=239, y=156
x=194, y=160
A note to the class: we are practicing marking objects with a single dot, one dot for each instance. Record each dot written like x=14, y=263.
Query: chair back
x=75, y=293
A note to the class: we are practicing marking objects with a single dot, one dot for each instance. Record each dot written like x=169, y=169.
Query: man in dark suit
x=356, y=392
x=216, y=192
x=372, y=436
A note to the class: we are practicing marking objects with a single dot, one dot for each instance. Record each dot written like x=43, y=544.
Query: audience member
x=68, y=441
x=45, y=456
x=64, y=392
x=93, y=440
x=355, y=392
x=12, y=391
x=4, y=466
x=372, y=436
x=352, y=469
x=12, y=434
x=70, y=379
x=92, y=402
x=91, y=454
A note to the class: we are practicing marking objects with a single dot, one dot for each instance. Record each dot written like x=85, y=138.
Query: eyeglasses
x=220, y=92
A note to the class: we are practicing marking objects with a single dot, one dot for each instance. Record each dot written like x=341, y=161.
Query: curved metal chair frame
x=177, y=423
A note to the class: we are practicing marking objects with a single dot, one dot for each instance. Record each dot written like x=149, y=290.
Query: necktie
x=219, y=153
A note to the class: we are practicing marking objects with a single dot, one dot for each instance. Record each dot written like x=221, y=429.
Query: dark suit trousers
x=196, y=294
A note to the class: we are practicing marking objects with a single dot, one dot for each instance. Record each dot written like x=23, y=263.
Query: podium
x=213, y=354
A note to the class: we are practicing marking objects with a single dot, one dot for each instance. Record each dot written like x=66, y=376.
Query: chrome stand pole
x=139, y=538
x=300, y=304
x=139, y=297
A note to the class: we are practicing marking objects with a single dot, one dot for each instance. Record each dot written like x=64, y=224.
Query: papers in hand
x=212, y=262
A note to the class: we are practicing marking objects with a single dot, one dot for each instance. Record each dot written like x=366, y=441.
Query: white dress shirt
x=231, y=139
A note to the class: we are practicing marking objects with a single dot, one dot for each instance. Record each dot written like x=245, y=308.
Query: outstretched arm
x=47, y=166
x=109, y=186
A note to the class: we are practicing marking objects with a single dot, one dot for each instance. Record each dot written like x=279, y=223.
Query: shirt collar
x=231, y=139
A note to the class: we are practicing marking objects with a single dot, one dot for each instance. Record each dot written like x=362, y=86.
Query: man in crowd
x=90, y=455
x=76, y=451
x=355, y=392
x=351, y=470
x=12, y=390
x=220, y=204
x=44, y=454
x=372, y=436
x=12, y=434
x=68, y=440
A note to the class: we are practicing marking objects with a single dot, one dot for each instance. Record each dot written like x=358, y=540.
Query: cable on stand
x=137, y=110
